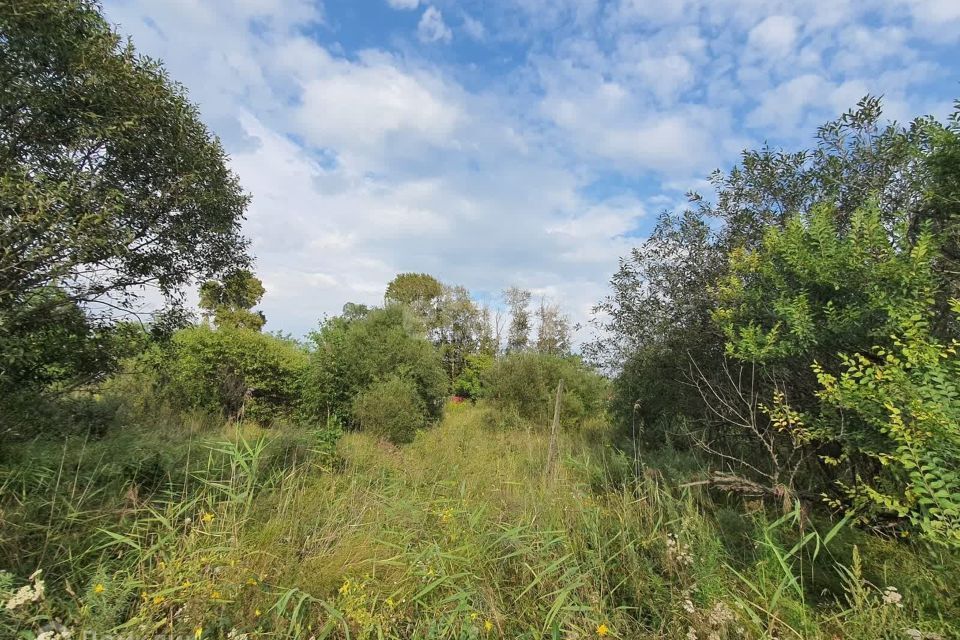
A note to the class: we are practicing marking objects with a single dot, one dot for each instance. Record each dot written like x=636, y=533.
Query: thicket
x=235, y=372
x=525, y=385
x=798, y=330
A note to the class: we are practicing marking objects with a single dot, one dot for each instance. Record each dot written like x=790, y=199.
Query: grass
x=459, y=534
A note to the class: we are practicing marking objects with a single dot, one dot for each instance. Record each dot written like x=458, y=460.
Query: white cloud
x=474, y=28
x=366, y=162
x=358, y=107
x=432, y=28
x=403, y=4
x=774, y=35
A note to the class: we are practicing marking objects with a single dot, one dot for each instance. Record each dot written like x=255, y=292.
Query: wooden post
x=552, y=450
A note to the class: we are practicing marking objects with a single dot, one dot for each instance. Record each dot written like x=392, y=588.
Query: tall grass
x=459, y=534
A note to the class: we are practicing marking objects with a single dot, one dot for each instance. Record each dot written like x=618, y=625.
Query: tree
x=419, y=291
x=841, y=323
x=109, y=181
x=391, y=408
x=525, y=384
x=553, y=329
x=519, y=334
x=457, y=329
x=230, y=301
x=659, y=317
x=351, y=353
x=488, y=340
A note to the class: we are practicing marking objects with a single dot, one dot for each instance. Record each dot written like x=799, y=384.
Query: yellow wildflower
x=474, y=615
x=602, y=630
x=256, y=613
x=251, y=582
x=198, y=632
x=207, y=517
x=215, y=595
x=345, y=588
x=487, y=626
x=158, y=599
x=99, y=588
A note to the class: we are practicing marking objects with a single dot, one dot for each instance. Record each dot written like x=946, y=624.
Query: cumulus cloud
x=533, y=151
x=432, y=28
x=774, y=35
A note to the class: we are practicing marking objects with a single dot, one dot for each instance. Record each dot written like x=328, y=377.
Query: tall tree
x=109, y=181
x=419, y=291
x=230, y=301
x=518, y=300
x=457, y=329
x=488, y=342
x=553, y=329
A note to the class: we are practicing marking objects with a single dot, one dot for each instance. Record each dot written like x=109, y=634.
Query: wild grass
x=459, y=534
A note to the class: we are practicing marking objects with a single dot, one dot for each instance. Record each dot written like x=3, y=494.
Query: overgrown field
x=202, y=532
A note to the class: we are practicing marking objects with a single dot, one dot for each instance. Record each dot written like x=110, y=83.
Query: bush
x=234, y=371
x=526, y=383
x=469, y=384
x=391, y=409
x=363, y=347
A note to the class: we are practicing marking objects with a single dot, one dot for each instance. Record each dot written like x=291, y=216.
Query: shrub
x=526, y=383
x=903, y=404
x=469, y=383
x=233, y=371
x=356, y=350
x=391, y=409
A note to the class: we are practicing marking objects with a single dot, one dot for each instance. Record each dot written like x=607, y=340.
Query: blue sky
x=512, y=142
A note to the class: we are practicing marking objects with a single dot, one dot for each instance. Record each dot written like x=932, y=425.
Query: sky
x=493, y=143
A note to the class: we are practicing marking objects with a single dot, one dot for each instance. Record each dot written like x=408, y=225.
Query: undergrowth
x=292, y=533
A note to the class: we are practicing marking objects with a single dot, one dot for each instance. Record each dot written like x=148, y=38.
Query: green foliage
x=811, y=290
x=906, y=398
x=391, y=408
x=64, y=348
x=353, y=351
x=525, y=383
x=858, y=307
x=419, y=291
x=659, y=316
x=518, y=300
x=469, y=384
x=108, y=181
x=238, y=372
x=456, y=332
x=230, y=300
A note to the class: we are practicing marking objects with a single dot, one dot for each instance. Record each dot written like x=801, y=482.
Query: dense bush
x=390, y=409
x=232, y=370
x=904, y=401
x=854, y=312
x=362, y=347
x=525, y=383
x=469, y=384
x=762, y=320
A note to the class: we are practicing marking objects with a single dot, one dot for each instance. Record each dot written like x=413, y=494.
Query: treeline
x=388, y=370
x=800, y=329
